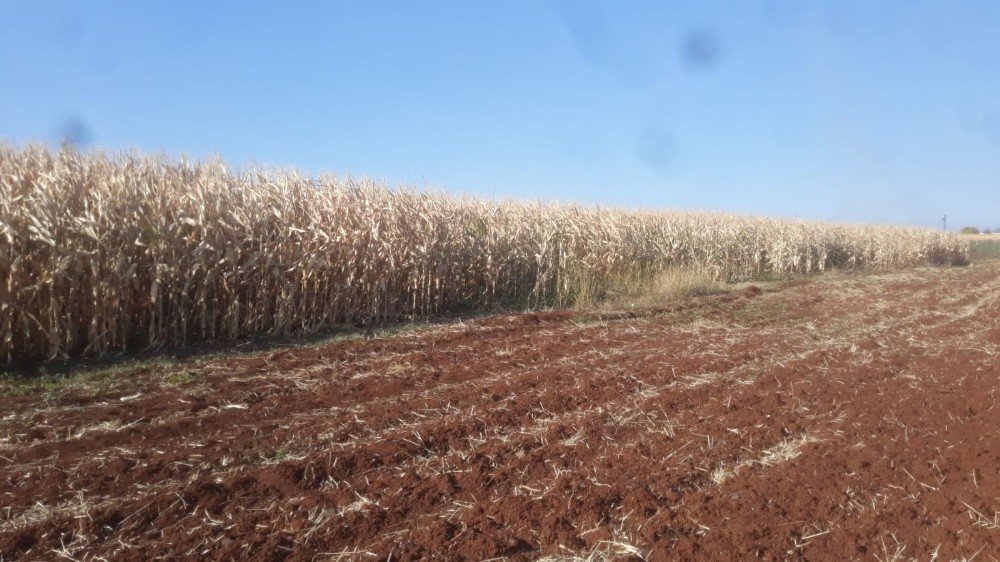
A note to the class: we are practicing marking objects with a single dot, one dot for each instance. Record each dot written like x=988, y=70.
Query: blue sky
x=846, y=110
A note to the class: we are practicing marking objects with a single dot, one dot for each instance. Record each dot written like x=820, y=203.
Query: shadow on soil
x=30, y=376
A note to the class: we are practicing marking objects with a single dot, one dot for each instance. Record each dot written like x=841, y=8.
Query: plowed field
x=832, y=418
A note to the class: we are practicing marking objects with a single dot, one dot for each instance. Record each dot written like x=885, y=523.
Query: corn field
x=103, y=254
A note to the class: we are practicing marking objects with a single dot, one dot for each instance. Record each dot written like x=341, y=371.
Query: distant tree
x=987, y=231
x=970, y=230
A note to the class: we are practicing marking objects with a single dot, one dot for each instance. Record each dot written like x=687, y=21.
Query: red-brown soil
x=833, y=418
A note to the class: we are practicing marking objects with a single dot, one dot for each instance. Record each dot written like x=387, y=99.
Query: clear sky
x=843, y=110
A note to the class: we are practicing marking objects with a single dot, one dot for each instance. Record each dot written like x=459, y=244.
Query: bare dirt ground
x=833, y=418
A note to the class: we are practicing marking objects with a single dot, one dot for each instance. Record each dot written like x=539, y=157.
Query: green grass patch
x=985, y=249
x=55, y=381
x=760, y=311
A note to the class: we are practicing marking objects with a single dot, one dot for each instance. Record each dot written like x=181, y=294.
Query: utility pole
x=945, y=222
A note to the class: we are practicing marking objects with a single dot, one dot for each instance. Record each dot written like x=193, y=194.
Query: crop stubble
x=824, y=419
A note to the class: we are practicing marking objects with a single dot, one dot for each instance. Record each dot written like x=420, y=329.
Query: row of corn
x=103, y=254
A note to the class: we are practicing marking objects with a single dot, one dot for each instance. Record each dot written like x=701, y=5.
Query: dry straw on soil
x=100, y=254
